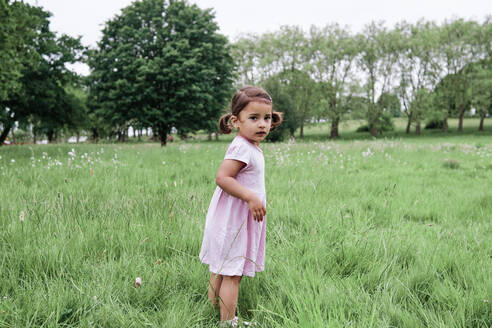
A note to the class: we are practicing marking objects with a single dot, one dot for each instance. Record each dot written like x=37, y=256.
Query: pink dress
x=233, y=242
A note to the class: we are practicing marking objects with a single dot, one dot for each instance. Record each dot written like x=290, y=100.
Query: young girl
x=234, y=238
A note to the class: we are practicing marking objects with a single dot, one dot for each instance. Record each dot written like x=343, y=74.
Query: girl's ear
x=234, y=121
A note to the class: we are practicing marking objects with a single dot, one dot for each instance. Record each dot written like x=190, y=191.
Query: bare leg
x=228, y=293
x=214, y=288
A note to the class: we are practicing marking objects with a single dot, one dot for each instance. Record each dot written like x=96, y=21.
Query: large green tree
x=39, y=94
x=163, y=64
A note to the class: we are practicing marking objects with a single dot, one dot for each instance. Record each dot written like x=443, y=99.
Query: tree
x=282, y=102
x=457, y=50
x=481, y=90
x=246, y=56
x=39, y=95
x=16, y=27
x=292, y=57
x=389, y=103
x=162, y=64
x=377, y=58
x=418, y=68
x=334, y=54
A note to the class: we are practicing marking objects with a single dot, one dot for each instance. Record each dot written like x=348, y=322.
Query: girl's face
x=254, y=122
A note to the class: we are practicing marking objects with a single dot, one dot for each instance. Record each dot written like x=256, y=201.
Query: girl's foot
x=235, y=323
x=230, y=323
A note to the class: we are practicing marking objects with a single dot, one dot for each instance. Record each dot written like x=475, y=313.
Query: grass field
x=362, y=232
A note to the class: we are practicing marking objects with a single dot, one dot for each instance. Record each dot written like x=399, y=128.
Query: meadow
x=362, y=232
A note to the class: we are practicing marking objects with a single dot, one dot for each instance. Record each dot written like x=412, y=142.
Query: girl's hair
x=241, y=99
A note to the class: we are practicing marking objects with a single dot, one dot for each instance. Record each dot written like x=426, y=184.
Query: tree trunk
x=482, y=118
x=460, y=122
x=209, y=136
x=409, y=123
x=334, y=128
x=5, y=133
x=216, y=136
x=373, y=130
x=121, y=136
x=78, y=136
x=95, y=135
x=162, y=136
x=50, y=134
x=417, y=128
x=301, y=133
x=445, y=125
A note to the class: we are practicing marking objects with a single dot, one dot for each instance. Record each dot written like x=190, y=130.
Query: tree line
x=423, y=71
x=162, y=65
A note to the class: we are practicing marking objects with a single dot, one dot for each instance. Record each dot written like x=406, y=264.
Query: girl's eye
x=268, y=118
x=254, y=118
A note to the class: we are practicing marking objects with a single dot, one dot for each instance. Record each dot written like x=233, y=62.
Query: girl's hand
x=257, y=208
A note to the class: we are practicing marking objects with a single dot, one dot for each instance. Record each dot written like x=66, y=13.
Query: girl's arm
x=226, y=180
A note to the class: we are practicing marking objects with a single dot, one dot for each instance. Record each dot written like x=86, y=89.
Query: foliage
x=40, y=95
x=434, y=124
x=162, y=65
x=385, y=125
x=390, y=104
x=334, y=52
x=418, y=64
x=282, y=102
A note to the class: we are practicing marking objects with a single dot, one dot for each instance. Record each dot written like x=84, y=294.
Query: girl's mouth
x=261, y=133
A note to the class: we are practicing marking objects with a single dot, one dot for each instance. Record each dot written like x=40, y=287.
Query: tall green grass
x=361, y=233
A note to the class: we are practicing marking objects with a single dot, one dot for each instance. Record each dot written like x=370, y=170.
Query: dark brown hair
x=241, y=99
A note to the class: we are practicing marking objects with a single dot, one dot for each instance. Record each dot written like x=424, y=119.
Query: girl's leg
x=228, y=293
x=214, y=288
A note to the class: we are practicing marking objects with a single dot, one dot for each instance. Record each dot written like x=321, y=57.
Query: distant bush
x=363, y=128
x=434, y=124
x=278, y=134
x=386, y=125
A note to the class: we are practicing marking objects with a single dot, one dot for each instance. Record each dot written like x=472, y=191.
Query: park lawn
x=362, y=232
x=321, y=131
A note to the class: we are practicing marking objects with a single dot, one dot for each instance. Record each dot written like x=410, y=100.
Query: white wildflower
x=138, y=282
x=21, y=216
x=367, y=153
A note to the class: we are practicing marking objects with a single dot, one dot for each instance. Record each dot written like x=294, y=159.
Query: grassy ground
x=362, y=232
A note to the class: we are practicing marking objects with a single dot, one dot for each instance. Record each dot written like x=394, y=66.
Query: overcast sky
x=86, y=17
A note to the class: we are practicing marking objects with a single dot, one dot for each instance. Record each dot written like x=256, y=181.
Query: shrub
x=386, y=125
x=434, y=124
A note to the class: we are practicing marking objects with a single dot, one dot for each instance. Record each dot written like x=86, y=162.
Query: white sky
x=87, y=17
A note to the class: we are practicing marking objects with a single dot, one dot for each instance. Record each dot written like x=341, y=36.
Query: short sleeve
x=239, y=152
